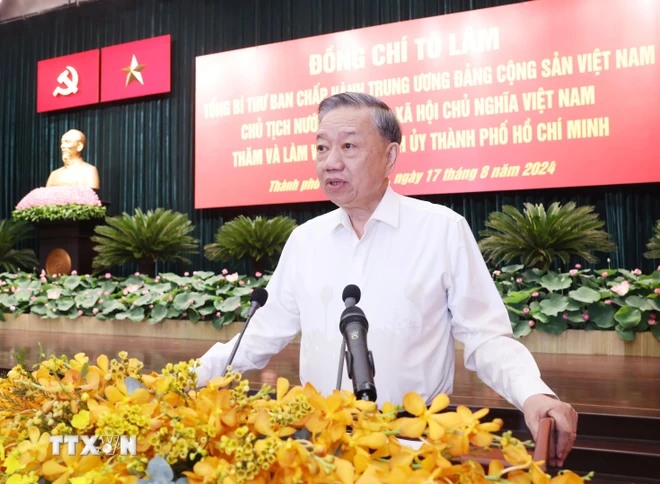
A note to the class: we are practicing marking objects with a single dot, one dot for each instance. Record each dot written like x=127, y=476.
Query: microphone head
x=352, y=314
x=351, y=292
x=259, y=295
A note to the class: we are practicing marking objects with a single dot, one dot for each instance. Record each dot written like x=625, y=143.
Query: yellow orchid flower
x=81, y=420
x=70, y=467
x=30, y=478
x=518, y=477
x=514, y=450
x=13, y=462
x=537, y=474
x=567, y=477
x=423, y=417
x=345, y=471
x=36, y=449
x=284, y=434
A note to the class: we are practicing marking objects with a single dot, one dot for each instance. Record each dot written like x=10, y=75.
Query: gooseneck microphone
x=257, y=299
x=354, y=327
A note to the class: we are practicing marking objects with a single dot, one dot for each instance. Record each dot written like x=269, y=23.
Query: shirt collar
x=387, y=211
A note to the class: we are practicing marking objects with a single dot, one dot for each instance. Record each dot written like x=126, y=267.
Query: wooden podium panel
x=66, y=246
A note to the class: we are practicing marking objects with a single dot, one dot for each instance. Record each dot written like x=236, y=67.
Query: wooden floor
x=618, y=385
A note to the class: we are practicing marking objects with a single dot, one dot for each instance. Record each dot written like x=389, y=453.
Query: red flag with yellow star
x=136, y=69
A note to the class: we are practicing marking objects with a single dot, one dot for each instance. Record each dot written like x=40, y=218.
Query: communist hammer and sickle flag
x=68, y=80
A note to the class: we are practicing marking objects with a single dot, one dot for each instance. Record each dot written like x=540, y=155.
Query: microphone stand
x=258, y=299
x=235, y=348
x=340, y=370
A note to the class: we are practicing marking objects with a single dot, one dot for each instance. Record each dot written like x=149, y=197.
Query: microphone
x=351, y=295
x=354, y=326
x=257, y=299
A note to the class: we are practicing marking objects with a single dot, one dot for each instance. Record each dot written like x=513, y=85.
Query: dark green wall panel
x=144, y=148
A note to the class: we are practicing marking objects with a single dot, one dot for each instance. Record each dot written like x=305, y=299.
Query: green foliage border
x=535, y=299
x=218, y=299
x=554, y=302
x=52, y=213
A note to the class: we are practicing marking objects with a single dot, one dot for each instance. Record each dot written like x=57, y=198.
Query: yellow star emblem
x=134, y=71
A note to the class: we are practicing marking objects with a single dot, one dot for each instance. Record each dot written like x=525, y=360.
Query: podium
x=65, y=246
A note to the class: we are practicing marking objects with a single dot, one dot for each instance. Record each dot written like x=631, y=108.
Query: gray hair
x=383, y=117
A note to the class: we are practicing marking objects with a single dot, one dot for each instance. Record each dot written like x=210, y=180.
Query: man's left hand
x=539, y=406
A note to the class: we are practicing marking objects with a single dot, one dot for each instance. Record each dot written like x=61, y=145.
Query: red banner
x=68, y=81
x=136, y=69
x=543, y=94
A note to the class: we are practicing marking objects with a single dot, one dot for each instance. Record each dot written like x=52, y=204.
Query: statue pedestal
x=66, y=246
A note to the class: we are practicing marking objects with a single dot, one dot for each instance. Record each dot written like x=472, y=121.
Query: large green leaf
x=65, y=303
x=555, y=326
x=628, y=317
x=640, y=303
x=241, y=291
x=512, y=268
x=522, y=329
x=206, y=310
x=541, y=317
x=625, y=334
x=193, y=315
x=8, y=300
x=39, y=309
x=87, y=298
x=111, y=306
x=23, y=295
x=585, y=295
x=183, y=301
x=554, y=305
x=145, y=299
x=655, y=331
x=230, y=304
x=556, y=282
x=158, y=313
x=134, y=314
x=603, y=315
x=72, y=282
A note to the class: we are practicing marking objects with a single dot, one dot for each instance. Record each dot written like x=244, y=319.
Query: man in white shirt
x=423, y=280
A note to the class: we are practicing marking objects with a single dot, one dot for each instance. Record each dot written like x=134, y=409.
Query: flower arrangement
x=625, y=301
x=223, y=433
x=59, y=203
x=217, y=298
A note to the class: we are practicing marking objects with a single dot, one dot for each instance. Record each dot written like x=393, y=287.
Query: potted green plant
x=144, y=238
x=11, y=234
x=653, y=245
x=538, y=237
x=257, y=240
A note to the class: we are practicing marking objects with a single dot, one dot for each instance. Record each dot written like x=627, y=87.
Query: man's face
x=353, y=160
x=69, y=145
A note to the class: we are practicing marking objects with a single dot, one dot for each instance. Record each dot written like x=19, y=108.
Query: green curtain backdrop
x=144, y=149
